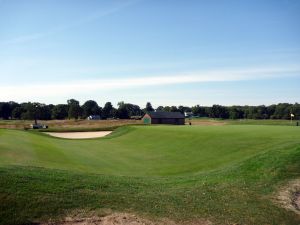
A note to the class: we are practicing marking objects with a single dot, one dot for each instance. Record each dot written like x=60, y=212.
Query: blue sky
x=166, y=52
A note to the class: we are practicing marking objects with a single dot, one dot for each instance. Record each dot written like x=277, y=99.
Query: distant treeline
x=73, y=110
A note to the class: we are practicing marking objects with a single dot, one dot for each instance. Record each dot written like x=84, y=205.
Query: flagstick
x=292, y=115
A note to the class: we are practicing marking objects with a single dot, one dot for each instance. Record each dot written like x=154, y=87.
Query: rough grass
x=99, y=125
x=226, y=174
x=69, y=125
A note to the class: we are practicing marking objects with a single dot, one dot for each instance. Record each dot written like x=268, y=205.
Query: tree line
x=73, y=110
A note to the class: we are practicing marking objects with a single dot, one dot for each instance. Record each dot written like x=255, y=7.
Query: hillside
x=226, y=174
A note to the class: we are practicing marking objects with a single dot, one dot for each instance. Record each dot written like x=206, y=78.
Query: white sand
x=79, y=135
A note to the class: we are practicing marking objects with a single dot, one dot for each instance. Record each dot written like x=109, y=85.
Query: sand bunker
x=289, y=196
x=79, y=135
x=120, y=219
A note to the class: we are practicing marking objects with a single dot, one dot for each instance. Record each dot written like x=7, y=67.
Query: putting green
x=147, y=150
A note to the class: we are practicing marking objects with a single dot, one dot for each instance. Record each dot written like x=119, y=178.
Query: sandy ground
x=289, y=196
x=121, y=219
x=297, y=200
x=79, y=135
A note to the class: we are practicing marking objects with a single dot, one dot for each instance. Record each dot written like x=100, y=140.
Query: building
x=94, y=117
x=188, y=114
x=175, y=118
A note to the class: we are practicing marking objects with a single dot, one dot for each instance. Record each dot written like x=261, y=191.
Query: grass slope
x=227, y=174
x=144, y=151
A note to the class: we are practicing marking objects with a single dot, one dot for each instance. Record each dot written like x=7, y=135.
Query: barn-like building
x=175, y=118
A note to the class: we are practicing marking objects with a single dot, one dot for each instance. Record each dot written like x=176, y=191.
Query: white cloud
x=78, y=87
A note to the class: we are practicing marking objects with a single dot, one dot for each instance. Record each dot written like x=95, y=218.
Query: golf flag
x=292, y=115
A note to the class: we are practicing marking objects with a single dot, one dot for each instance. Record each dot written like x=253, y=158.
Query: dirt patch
x=121, y=219
x=289, y=196
x=79, y=135
x=296, y=200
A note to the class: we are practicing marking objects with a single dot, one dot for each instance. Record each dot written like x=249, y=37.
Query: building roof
x=166, y=115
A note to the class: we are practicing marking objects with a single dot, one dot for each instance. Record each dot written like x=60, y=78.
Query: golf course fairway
x=226, y=174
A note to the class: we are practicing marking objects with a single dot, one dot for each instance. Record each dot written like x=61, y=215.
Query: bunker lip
x=121, y=219
x=79, y=135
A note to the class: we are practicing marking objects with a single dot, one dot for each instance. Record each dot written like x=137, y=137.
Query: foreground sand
x=122, y=219
x=79, y=135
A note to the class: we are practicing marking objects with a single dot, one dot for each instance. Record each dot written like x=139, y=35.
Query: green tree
x=174, y=109
x=127, y=110
x=283, y=111
x=122, y=112
x=149, y=107
x=184, y=109
x=296, y=111
x=90, y=107
x=108, y=111
x=199, y=111
x=271, y=110
x=60, y=112
x=17, y=112
x=5, y=111
x=43, y=111
x=160, y=108
x=236, y=112
x=218, y=111
x=167, y=109
x=74, y=110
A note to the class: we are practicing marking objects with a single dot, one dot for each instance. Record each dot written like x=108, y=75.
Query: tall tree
x=129, y=109
x=184, y=109
x=218, y=111
x=60, y=112
x=90, y=107
x=108, y=111
x=122, y=111
x=5, y=111
x=28, y=111
x=44, y=111
x=17, y=112
x=174, y=109
x=149, y=107
x=199, y=111
x=75, y=110
x=160, y=108
x=236, y=112
x=296, y=111
x=283, y=111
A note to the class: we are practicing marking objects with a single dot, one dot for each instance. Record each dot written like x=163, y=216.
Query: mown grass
x=146, y=151
x=198, y=121
x=265, y=122
x=227, y=174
